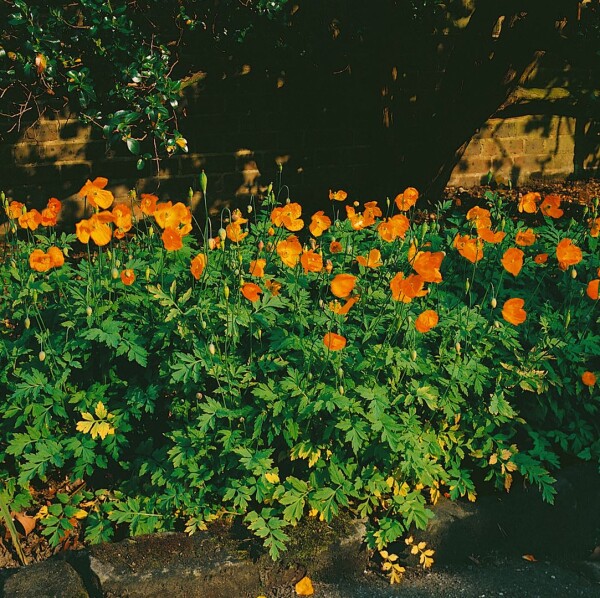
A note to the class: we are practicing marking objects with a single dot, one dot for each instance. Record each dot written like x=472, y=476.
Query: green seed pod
x=467, y=285
x=27, y=323
x=88, y=310
x=494, y=302
x=568, y=319
x=41, y=355
x=114, y=273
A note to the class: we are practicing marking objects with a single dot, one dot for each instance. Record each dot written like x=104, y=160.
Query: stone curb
x=217, y=565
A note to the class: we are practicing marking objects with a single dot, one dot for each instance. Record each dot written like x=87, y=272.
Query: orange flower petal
x=334, y=342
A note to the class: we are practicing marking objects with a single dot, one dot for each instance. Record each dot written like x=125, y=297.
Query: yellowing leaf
x=88, y=416
x=103, y=429
x=81, y=514
x=101, y=411
x=304, y=587
x=384, y=554
x=414, y=549
x=393, y=558
x=386, y=566
x=272, y=478
x=409, y=540
x=84, y=427
x=182, y=143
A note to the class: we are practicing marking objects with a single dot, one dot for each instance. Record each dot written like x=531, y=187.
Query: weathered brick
x=40, y=132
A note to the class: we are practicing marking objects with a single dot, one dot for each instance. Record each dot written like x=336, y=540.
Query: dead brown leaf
x=27, y=522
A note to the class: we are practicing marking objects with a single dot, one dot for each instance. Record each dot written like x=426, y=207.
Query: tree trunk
x=489, y=60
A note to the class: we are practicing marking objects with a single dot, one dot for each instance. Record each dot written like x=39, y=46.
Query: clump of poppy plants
x=290, y=365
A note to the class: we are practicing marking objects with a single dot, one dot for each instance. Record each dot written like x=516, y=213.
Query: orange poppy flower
x=470, y=249
x=57, y=257
x=528, y=202
x=427, y=264
x=83, y=230
x=128, y=277
x=594, y=227
x=235, y=232
x=342, y=285
x=148, y=203
x=342, y=310
x=169, y=215
x=568, y=254
x=541, y=258
x=490, y=237
x=40, y=261
x=197, y=265
x=372, y=211
x=513, y=311
x=334, y=342
x=257, y=268
x=122, y=219
x=407, y=199
x=426, y=321
x=54, y=205
x=592, y=289
x=251, y=291
x=480, y=216
x=171, y=239
x=15, y=209
x=407, y=289
x=273, y=286
x=335, y=247
x=337, y=195
x=319, y=223
x=588, y=378
x=394, y=227
x=96, y=227
x=551, y=206
x=512, y=260
x=48, y=217
x=31, y=219
x=525, y=238
x=95, y=193
x=357, y=220
x=288, y=216
x=289, y=251
x=373, y=260
x=311, y=261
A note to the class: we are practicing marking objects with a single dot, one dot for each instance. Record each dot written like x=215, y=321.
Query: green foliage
x=184, y=385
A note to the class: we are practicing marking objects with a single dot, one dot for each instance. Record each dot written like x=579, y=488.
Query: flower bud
x=109, y=254
x=114, y=273
x=494, y=302
x=458, y=348
x=203, y=182
x=88, y=310
x=413, y=355
x=226, y=291
x=212, y=349
x=496, y=324
x=41, y=355
x=27, y=323
x=467, y=285
x=250, y=208
x=118, y=263
x=573, y=273
x=203, y=325
x=199, y=395
x=261, y=245
x=341, y=389
x=34, y=296
x=147, y=273
x=222, y=234
x=568, y=319
x=340, y=372
x=190, y=194
x=151, y=231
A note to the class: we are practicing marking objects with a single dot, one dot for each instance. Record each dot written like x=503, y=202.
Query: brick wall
x=239, y=130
